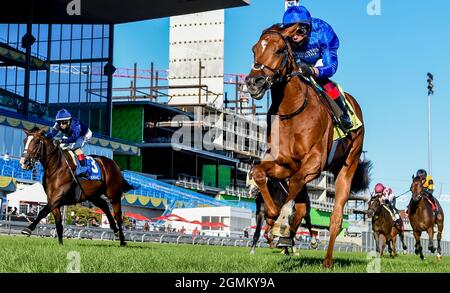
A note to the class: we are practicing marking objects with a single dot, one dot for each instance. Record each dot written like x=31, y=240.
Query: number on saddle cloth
x=93, y=168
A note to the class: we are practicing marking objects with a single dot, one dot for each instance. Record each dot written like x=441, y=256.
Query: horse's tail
x=126, y=186
x=361, y=179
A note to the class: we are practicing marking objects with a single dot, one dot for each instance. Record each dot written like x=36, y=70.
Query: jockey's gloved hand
x=306, y=70
x=63, y=146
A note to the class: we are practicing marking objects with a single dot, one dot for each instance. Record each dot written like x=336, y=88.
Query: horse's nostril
x=260, y=80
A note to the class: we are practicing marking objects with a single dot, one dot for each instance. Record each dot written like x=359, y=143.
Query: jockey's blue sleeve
x=54, y=131
x=75, y=129
x=329, y=46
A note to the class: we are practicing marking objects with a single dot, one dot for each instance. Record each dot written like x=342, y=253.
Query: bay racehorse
x=301, y=136
x=422, y=217
x=279, y=192
x=60, y=186
x=384, y=228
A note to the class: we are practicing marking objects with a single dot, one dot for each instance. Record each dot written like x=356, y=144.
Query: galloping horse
x=60, y=187
x=384, y=228
x=279, y=193
x=301, y=137
x=421, y=217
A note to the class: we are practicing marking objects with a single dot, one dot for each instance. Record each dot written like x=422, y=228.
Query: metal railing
x=92, y=233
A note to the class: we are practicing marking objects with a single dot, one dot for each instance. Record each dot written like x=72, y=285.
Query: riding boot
x=344, y=118
x=82, y=169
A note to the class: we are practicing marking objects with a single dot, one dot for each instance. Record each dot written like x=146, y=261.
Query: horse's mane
x=278, y=27
x=35, y=129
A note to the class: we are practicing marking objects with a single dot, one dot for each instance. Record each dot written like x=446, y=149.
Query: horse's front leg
x=430, y=232
x=42, y=214
x=259, y=174
x=59, y=226
x=310, y=171
x=419, y=249
x=259, y=219
x=440, y=224
x=376, y=237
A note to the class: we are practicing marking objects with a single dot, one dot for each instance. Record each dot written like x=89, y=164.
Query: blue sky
x=383, y=63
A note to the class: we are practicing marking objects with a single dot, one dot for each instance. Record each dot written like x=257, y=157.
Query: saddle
x=339, y=132
x=93, y=167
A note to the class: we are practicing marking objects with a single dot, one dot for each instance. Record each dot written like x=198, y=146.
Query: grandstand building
x=51, y=60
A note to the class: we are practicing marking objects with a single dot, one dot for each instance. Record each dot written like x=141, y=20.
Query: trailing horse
x=301, y=144
x=384, y=228
x=422, y=218
x=278, y=191
x=60, y=186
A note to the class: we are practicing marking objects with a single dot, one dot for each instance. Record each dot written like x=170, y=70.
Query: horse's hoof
x=314, y=244
x=327, y=263
x=284, y=242
x=123, y=244
x=422, y=257
x=405, y=252
x=252, y=252
x=26, y=231
x=439, y=257
x=432, y=249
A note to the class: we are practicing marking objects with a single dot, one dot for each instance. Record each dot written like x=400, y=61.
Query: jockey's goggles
x=302, y=30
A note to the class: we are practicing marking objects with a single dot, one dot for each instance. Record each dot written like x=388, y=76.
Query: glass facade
x=67, y=64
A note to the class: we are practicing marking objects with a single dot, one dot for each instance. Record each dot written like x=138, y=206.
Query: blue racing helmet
x=63, y=115
x=297, y=14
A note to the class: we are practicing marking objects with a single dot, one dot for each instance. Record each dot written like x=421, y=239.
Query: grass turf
x=21, y=254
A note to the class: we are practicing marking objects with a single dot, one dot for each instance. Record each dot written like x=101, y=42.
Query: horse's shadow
x=113, y=244
x=293, y=264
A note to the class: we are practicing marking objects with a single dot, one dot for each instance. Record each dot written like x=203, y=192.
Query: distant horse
x=301, y=136
x=278, y=191
x=422, y=218
x=60, y=186
x=384, y=228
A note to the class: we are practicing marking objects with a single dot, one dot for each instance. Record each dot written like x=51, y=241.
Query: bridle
x=36, y=156
x=417, y=197
x=276, y=76
x=371, y=208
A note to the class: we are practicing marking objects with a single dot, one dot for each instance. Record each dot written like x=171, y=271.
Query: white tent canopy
x=33, y=193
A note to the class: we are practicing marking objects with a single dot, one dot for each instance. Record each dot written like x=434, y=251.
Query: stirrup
x=345, y=122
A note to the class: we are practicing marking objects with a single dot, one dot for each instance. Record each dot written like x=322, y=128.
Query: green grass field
x=20, y=254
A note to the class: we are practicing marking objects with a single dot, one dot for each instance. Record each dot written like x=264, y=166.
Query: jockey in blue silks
x=76, y=134
x=314, y=47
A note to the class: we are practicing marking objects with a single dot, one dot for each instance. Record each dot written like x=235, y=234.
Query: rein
x=276, y=77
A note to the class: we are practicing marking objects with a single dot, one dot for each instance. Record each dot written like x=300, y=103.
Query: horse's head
x=417, y=188
x=373, y=206
x=33, y=148
x=272, y=60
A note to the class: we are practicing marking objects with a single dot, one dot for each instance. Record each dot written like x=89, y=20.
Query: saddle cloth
x=389, y=211
x=92, y=167
x=340, y=133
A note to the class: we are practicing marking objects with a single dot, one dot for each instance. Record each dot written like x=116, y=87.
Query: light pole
x=430, y=93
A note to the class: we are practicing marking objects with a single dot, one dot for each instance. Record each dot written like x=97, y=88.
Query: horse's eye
x=279, y=51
